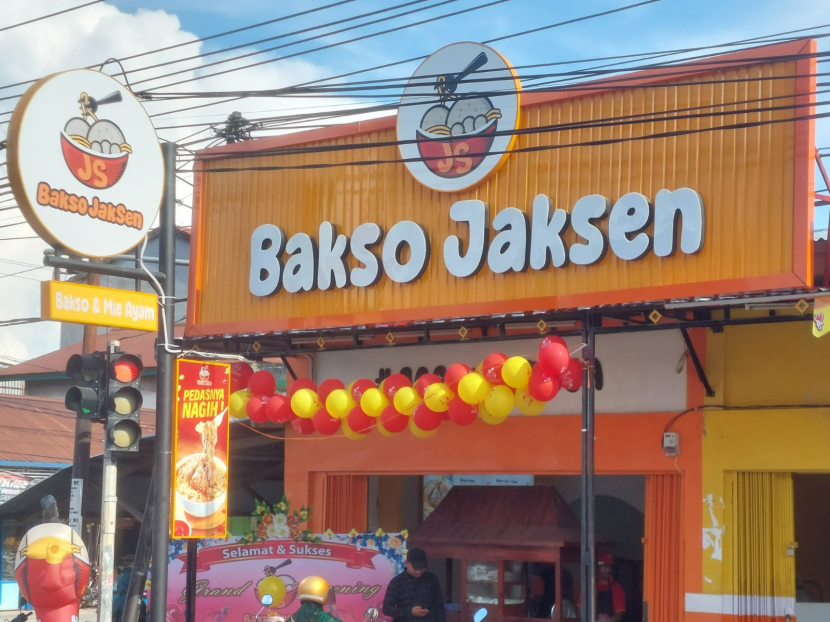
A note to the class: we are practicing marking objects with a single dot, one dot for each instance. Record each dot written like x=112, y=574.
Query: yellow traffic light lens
x=124, y=434
x=126, y=401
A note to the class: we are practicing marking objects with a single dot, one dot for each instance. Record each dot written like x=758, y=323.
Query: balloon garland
x=490, y=392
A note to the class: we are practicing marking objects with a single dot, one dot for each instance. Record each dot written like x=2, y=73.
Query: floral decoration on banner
x=490, y=392
x=392, y=546
x=280, y=521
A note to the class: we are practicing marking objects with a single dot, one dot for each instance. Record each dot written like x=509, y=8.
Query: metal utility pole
x=83, y=438
x=164, y=394
x=588, y=568
x=109, y=499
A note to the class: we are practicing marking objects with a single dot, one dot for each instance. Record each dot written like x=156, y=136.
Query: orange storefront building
x=669, y=212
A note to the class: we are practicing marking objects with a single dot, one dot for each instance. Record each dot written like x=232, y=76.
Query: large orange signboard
x=660, y=185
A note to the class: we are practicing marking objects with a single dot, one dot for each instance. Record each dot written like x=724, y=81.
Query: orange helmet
x=314, y=589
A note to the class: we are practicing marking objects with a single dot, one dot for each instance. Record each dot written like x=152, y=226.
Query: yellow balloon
x=438, y=396
x=305, y=403
x=488, y=417
x=516, y=372
x=373, y=401
x=473, y=388
x=271, y=585
x=416, y=431
x=348, y=432
x=239, y=402
x=500, y=401
x=339, y=403
x=526, y=403
x=406, y=400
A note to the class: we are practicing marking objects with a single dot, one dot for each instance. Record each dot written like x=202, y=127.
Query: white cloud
x=90, y=36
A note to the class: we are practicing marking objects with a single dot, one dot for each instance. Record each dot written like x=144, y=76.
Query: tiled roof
x=132, y=341
x=40, y=429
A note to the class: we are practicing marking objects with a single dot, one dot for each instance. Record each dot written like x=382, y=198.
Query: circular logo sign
x=457, y=116
x=85, y=163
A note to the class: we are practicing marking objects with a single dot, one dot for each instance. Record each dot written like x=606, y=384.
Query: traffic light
x=89, y=397
x=123, y=427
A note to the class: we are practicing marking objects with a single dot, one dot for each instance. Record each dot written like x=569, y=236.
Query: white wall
x=638, y=369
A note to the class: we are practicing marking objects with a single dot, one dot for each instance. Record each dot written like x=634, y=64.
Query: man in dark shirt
x=415, y=594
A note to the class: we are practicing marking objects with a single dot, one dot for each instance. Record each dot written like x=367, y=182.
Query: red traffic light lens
x=126, y=368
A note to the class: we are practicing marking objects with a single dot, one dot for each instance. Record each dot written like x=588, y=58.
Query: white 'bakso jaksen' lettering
x=402, y=234
x=539, y=243
x=477, y=216
x=267, y=242
x=366, y=235
x=508, y=251
x=546, y=243
x=332, y=258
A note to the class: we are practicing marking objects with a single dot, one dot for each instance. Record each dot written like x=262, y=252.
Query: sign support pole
x=588, y=531
x=83, y=437
x=190, y=590
x=107, y=553
x=164, y=397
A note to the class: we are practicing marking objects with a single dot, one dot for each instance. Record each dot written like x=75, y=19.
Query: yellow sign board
x=821, y=319
x=102, y=306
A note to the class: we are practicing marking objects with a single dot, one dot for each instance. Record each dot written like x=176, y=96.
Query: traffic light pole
x=83, y=438
x=164, y=396
x=106, y=563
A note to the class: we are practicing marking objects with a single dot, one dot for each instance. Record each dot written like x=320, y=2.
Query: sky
x=122, y=28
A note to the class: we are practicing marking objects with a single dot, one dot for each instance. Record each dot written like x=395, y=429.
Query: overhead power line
x=42, y=17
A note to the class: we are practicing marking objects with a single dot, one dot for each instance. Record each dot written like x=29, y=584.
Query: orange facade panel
x=755, y=182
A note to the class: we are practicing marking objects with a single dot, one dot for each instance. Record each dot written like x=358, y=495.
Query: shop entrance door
x=662, y=581
x=811, y=494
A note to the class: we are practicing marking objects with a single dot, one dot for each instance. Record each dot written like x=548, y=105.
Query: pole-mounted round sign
x=85, y=163
x=458, y=115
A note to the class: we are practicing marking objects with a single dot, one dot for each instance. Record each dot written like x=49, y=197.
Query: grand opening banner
x=358, y=566
x=200, y=450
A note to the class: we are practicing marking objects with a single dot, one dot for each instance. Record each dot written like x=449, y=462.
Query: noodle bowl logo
x=457, y=117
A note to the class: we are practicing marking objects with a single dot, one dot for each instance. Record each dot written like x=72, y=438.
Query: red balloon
x=302, y=383
x=359, y=421
x=462, y=413
x=240, y=374
x=426, y=419
x=491, y=368
x=552, y=339
x=303, y=426
x=571, y=378
x=392, y=420
x=359, y=388
x=262, y=383
x=554, y=359
x=256, y=408
x=541, y=386
x=454, y=375
x=393, y=383
x=424, y=381
x=278, y=409
x=324, y=423
x=327, y=386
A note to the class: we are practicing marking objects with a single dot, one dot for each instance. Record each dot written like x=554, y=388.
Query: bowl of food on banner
x=201, y=484
x=454, y=141
x=96, y=154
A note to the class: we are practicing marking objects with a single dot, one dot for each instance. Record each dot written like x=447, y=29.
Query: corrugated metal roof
x=40, y=429
x=132, y=341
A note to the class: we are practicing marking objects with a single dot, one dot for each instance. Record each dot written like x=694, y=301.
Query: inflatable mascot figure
x=52, y=568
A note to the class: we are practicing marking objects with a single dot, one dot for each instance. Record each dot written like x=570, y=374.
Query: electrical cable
x=626, y=120
x=283, y=36
x=42, y=17
x=530, y=149
x=325, y=47
x=208, y=38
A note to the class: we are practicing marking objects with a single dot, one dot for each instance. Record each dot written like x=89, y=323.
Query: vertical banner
x=200, y=450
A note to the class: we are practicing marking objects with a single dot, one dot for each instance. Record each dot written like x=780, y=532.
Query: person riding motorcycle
x=313, y=593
